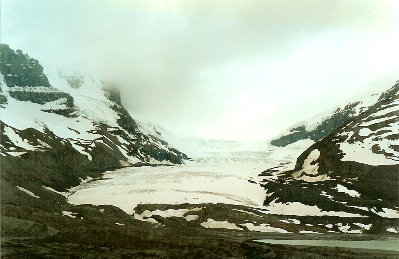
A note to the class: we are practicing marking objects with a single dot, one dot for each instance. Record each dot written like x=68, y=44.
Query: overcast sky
x=221, y=69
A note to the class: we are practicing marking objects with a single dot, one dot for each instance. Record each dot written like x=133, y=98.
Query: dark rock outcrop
x=21, y=70
x=25, y=79
x=3, y=98
x=40, y=95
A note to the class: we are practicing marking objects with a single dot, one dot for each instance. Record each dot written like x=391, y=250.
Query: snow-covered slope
x=85, y=116
x=353, y=170
x=321, y=126
x=373, y=138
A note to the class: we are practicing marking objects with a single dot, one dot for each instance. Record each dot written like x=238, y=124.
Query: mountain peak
x=89, y=117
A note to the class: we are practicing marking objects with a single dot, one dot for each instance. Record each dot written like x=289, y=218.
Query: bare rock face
x=25, y=79
x=3, y=98
x=21, y=70
x=40, y=95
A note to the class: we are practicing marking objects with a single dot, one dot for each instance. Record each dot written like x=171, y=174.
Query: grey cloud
x=160, y=53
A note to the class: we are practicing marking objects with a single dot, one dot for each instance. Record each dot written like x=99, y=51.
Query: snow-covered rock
x=355, y=169
x=87, y=117
x=322, y=125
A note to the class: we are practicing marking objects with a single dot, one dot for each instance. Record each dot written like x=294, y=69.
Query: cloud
x=226, y=69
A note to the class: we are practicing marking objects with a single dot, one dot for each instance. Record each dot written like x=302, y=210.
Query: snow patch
x=146, y=215
x=361, y=152
x=211, y=223
x=299, y=209
x=352, y=193
x=313, y=179
x=295, y=221
x=366, y=227
x=264, y=228
x=69, y=214
x=387, y=213
x=365, y=132
x=16, y=139
x=27, y=192
x=13, y=153
x=345, y=229
x=142, y=218
x=309, y=167
x=191, y=217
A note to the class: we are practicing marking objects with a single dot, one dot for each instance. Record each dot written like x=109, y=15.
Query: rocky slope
x=354, y=171
x=318, y=128
x=87, y=116
x=54, y=135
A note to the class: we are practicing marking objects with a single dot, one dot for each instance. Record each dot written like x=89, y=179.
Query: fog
x=216, y=69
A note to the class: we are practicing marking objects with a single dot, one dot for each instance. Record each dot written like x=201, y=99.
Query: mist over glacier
x=224, y=71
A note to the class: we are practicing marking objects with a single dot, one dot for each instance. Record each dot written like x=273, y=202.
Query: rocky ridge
x=322, y=128
x=354, y=170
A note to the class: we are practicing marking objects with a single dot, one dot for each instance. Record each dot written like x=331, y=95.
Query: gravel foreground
x=86, y=231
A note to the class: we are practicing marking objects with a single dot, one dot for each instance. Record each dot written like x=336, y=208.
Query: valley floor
x=208, y=208
x=107, y=232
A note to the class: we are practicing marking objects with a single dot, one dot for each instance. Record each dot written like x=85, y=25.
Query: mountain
x=318, y=127
x=354, y=171
x=58, y=129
